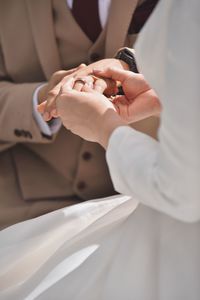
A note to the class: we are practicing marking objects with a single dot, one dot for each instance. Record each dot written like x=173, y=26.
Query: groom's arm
x=16, y=111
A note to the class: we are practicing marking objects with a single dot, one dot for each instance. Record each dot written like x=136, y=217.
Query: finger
x=54, y=113
x=133, y=83
x=114, y=73
x=105, y=85
x=80, y=82
x=68, y=85
x=142, y=107
x=121, y=99
x=88, y=89
x=46, y=115
x=78, y=85
x=41, y=107
x=112, y=87
x=50, y=102
x=100, y=85
x=63, y=73
x=59, y=75
x=53, y=93
x=81, y=66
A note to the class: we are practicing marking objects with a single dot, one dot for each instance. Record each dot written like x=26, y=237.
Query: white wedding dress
x=115, y=248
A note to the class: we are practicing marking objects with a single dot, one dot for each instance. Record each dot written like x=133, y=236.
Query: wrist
x=110, y=122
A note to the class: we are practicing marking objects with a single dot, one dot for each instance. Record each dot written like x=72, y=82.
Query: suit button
x=18, y=132
x=81, y=185
x=94, y=57
x=86, y=155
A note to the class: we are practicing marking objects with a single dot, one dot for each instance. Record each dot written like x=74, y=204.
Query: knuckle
x=109, y=69
x=52, y=94
x=64, y=80
x=54, y=76
x=58, y=73
x=82, y=65
x=57, y=76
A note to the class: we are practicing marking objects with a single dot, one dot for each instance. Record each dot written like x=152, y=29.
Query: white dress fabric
x=166, y=175
x=113, y=248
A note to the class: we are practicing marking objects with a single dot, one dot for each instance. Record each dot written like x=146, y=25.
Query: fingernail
x=97, y=70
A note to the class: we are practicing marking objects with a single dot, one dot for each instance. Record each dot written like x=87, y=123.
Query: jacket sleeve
x=17, y=124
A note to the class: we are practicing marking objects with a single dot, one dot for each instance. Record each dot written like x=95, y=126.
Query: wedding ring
x=82, y=81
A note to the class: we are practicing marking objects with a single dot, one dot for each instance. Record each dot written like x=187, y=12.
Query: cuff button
x=18, y=132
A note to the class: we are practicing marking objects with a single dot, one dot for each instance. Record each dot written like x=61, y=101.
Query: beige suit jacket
x=38, y=174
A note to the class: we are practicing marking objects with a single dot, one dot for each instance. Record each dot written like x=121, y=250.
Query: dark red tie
x=141, y=15
x=86, y=14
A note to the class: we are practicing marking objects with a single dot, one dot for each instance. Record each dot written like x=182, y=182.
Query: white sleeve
x=49, y=128
x=165, y=175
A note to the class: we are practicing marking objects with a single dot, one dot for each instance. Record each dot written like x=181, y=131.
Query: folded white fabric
x=37, y=255
x=101, y=250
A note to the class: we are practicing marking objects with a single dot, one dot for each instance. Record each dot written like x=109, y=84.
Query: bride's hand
x=88, y=113
x=104, y=86
x=139, y=100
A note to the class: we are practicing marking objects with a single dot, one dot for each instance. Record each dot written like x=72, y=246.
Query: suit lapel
x=120, y=15
x=40, y=13
x=99, y=45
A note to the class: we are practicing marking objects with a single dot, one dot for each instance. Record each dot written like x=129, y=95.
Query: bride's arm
x=165, y=175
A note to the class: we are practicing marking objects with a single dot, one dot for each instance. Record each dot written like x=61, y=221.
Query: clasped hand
x=90, y=107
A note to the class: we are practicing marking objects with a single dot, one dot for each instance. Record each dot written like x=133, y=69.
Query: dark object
x=141, y=15
x=23, y=133
x=46, y=136
x=86, y=13
x=128, y=57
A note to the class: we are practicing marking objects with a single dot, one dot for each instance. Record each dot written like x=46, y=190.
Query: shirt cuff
x=52, y=126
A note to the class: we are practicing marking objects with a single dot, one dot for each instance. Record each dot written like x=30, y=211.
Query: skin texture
x=139, y=100
x=93, y=116
x=54, y=80
x=48, y=107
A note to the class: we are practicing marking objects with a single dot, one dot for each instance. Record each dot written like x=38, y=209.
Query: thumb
x=113, y=73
